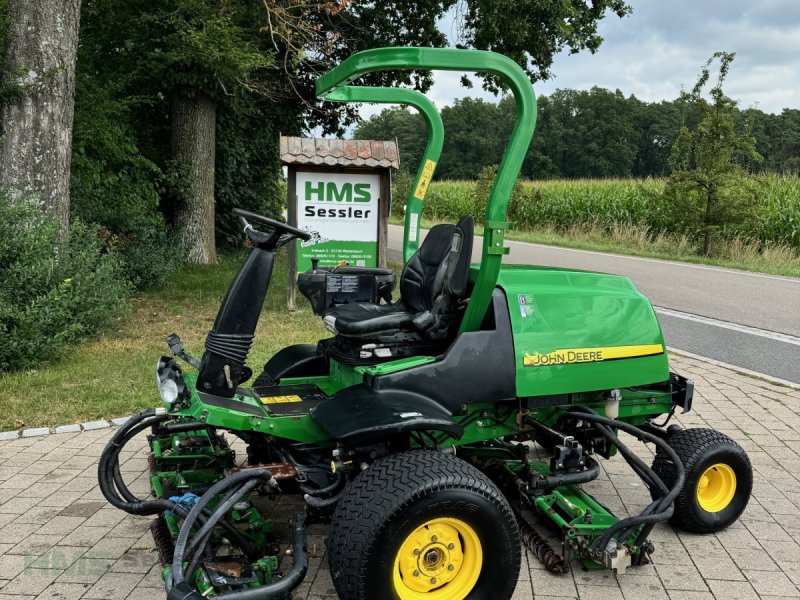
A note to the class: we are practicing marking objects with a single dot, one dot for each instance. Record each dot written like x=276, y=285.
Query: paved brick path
x=60, y=540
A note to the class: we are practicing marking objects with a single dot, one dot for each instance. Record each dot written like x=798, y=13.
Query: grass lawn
x=633, y=241
x=114, y=375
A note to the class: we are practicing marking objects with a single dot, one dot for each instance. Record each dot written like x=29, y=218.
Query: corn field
x=610, y=203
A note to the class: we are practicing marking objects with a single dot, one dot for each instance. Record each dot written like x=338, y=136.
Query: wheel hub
x=440, y=560
x=716, y=488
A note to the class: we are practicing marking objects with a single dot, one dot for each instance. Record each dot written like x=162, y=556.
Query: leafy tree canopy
x=533, y=40
x=582, y=133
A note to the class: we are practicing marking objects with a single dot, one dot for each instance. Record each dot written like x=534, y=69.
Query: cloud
x=659, y=50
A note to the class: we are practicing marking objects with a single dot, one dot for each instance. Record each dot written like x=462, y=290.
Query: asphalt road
x=748, y=320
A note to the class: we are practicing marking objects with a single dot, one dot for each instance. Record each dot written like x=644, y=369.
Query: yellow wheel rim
x=439, y=560
x=716, y=488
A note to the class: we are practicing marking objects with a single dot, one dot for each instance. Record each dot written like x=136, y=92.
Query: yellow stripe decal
x=570, y=356
x=425, y=180
x=280, y=399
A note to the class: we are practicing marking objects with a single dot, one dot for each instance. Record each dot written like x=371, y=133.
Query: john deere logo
x=345, y=193
x=585, y=355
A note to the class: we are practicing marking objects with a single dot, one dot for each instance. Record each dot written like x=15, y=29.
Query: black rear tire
x=399, y=496
x=704, y=453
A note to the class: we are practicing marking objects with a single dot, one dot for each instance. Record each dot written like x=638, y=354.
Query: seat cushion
x=362, y=318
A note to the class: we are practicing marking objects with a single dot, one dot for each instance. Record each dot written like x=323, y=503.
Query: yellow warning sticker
x=280, y=399
x=425, y=179
x=584, y=355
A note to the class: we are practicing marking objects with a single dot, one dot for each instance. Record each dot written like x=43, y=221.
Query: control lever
x=176, y=347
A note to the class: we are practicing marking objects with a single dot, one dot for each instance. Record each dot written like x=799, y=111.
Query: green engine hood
x=578, y=331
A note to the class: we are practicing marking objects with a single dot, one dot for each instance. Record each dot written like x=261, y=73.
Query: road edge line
x=679, y=263
x=747, y=372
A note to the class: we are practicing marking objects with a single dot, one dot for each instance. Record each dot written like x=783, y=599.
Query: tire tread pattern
x=691, y=445
x=385, y=489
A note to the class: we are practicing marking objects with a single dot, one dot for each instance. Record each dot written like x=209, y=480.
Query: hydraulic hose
x=279, y=589
x=643, y=519
x=645, y=472
x=237, y=485
x=194, y=552
x=324, y=491
x=662, y=506
x=108, y=473
x=551, y=482
x=320, y=503
x=183, y=427
x=637, y=464
x=221, y=486
x=117, y=493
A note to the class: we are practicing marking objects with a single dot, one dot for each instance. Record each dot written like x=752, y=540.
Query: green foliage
x=708, y=186
x=115, y=186
x=402, y=183
x=533, y=41
x=474, y=132
x=9, y=88
x=51, y=293
x=139, y=55
x=3, y=30
x=401, y=124
x=248, y=171
x=779, y=210
x=559, y=203
x=483, y=188
x=777, y=139
x=533, y=32
x=180, y=45
x=579, y=134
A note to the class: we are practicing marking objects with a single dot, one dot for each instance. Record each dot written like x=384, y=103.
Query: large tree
x=186, y=62
x=190, y=59
x=197, y=59
x=37, y=90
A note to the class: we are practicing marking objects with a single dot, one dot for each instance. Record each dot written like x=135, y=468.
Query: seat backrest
x=439, y=268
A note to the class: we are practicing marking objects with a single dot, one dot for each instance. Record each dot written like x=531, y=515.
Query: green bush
x=52, y=292
x=115, y=186
x=248, y=173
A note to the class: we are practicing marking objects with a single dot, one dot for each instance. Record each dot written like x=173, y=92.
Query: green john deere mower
x=409, y=430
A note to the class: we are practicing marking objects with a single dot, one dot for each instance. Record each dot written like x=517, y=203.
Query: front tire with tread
x=700, y=449
x=399, y=494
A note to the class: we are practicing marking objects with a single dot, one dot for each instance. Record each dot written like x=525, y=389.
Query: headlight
x=168, y=379
x=169, y=391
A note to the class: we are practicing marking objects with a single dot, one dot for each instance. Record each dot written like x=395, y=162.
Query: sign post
x=340, y=192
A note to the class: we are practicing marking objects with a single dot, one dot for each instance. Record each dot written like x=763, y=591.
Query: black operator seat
x=432, y=287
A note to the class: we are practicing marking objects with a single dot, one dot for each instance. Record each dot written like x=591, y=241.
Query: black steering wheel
x=281, y=232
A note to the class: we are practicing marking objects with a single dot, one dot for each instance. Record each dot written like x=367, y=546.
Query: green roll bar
x=450, y=59
x=433, y=120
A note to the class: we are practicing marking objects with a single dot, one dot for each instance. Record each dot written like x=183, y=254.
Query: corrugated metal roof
x=336, y=152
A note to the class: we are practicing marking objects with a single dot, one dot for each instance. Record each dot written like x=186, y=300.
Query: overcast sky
x=662, y=45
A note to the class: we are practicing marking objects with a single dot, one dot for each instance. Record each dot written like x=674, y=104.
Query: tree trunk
x=707, y=222
x=36, y=119
x=194, y=121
